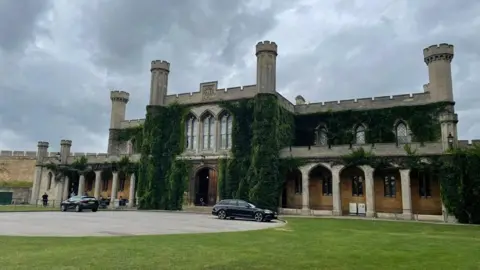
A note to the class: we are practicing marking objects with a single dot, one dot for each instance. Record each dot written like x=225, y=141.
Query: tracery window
x=402, y=133
x=321, y=136
x=209, y=132
x=226, y=131
x=360, y=135
x=357, y=186
x=389, y=186
x=191, y=133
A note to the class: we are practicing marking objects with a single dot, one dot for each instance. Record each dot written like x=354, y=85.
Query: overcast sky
x=59, y=59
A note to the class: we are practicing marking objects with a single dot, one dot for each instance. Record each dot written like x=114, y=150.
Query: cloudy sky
x=59, y=59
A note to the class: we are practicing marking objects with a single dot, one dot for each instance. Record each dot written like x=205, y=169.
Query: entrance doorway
x=206, y=187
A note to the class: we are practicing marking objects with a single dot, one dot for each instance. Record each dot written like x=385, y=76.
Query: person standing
x=45, y=199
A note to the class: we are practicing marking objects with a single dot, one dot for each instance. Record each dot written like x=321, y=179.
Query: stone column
x=42, y=153
x=98, y=180
x=369, y=190
x=113, y=196
x=305, y=191
x=59, y=192
x=66, y=188
x=131, y=196
x=406, y=194
x=37, y=180
x=81, y=185
x=336, y=194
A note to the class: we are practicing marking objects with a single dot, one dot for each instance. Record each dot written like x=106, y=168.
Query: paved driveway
x=121, y=223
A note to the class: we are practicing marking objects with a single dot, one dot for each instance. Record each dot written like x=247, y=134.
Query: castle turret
x=299, y=100
x=159, y=84
x=119, y=108
x=42, y=153
x=266, y=53
x=438, y=59
x=65, y=146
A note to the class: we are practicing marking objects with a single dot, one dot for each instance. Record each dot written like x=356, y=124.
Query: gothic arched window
x=402, y=133
x=191, y=133
x=321, y=136
x=226, y=131
x=360, y=135
x=209, y=132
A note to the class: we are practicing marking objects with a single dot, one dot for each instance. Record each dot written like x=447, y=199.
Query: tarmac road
x=119, y=223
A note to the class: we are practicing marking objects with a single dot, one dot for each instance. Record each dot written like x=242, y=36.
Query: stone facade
x=317, y=188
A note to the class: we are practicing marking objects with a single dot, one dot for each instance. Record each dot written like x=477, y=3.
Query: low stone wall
x=20, y=195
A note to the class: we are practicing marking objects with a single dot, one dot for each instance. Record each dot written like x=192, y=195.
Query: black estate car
x=80, y=203
x=241, y=209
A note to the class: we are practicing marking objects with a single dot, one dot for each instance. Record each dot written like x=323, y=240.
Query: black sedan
x=80, y=203
x=241, y=209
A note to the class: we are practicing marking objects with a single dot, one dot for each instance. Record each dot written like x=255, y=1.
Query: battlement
x=266, y=46
x=131, y=123
x=42, y=144
x=160, y=64
x=121, y=96
x=468, y=143
x=66, y=142
x=439, y=52
x=224, y=94
x=365, y=103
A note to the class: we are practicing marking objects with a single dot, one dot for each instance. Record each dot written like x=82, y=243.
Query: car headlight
x=268, y=212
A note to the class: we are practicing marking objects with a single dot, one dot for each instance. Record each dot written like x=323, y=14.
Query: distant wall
x=17, y=167
x=365, y=103
x=20, y=195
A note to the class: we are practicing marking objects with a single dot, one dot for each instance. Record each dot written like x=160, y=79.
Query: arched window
x=226, y=131
x=402, y=133
x=209, y=132
x=129, y=147
x=191, y=133
x=360, y=135
x=321, y=136
x=49, y=181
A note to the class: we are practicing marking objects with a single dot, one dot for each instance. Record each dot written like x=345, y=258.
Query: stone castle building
x=316, y=188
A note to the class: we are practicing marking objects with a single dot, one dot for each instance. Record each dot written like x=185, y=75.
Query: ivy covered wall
x=422, y=121
x=261, y=127
x=162, y=178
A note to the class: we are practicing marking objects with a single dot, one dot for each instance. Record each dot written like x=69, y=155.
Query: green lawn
x=302, y=244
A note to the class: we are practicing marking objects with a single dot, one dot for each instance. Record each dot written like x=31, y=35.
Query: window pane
x=212, y=133
x=360, y=135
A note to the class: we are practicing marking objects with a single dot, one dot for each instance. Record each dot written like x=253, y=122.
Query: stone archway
x=292, y=190
x=320, y=188
x=205, y=187
x=352, y=189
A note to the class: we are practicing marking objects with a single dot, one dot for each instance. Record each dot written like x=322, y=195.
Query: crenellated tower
x=65, y=146
x=42, y=154
x=159, y=83
x=266, y=53
x=438, y=59
x=119, y=107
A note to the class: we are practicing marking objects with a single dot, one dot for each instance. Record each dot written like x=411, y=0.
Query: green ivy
x=422, y=121
x=134, y=133
x=163, y=135
x=261, y=127
x=178, y=182
x=459, y=175
x=222, y=178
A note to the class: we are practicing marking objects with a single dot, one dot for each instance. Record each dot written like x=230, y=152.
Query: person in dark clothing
x=45, y=199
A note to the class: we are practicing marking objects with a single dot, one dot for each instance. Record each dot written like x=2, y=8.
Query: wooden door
x=212, y=187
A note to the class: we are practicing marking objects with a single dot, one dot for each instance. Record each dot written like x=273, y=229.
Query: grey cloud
x=18, y=22
x=60, y=90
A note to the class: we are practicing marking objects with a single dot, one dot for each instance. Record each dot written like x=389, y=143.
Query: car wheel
x=94, y=209
x=222, y=214
x=258, y=217
x=64, y=208
x=78, y=208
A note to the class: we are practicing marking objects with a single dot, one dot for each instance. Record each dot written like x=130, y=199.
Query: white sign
x=361, y=209
x=353, y=208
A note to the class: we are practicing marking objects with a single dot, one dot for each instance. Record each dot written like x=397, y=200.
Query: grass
x=302, y=244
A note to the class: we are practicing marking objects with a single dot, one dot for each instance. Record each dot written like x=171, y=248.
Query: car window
x=242, y=204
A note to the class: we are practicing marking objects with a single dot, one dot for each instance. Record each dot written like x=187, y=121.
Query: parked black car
x=80, y=203
x=241, y=209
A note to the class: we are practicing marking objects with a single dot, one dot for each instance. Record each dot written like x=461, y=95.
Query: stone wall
x=17, y=168
x=20, y=195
